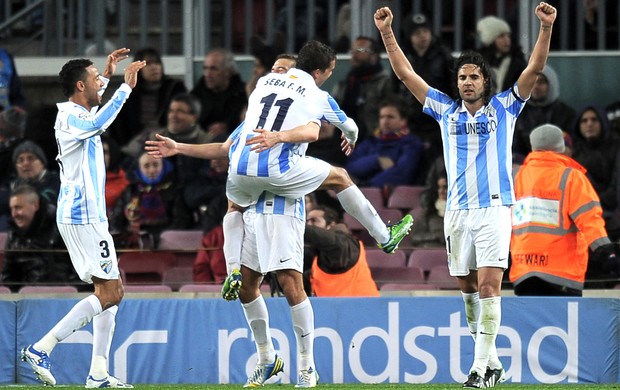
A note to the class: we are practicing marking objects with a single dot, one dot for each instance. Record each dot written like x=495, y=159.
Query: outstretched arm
x=401, y=66
x=546, y=14
x=167, y=147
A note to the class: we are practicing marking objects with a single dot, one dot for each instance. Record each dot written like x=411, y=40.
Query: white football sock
x=303, y=325
x=103, y=330
x=356, y=204
x=488, y=326
x=78, y=316
x=233, y=239
x=258, y=319
x=472, y=311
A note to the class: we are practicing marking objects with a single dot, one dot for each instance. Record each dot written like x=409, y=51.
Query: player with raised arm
x=81, y=213
x=477, y=130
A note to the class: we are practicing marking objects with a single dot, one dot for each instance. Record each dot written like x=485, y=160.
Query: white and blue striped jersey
x=269, y=203
x=477, y=149
x=279, y=102
x=80, y=157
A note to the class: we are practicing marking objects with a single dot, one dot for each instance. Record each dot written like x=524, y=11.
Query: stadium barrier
x=377, y=340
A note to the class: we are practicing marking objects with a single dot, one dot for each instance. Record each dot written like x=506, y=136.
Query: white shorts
x=477, y=238
x=91, y=249
x=304, y=177
x=272, y=242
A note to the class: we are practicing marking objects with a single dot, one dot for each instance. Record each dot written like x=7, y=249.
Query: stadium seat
x=147, y=288
x=176, y=277
x=375, y=196
x=408, y=286
x=358, y=230
x=145, y=267
x=378, y=259
x=440, y=276
x=5, y=290
x=201, y=288
x=3, y=237
x=397, y=275
x=427, y=258
x=405, y=197
x=184, y=243
x=390, y=216
x=47, y=289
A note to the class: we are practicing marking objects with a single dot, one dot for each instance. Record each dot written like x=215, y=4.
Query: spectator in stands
x=152, y=202
x=433, y=62
x=366, y=84
x=334, y=261
x=12, y=126
x=210, y=264
x=115, y=178
x=190, y=173
x=391, y=157
x=543, y=107
x=343, y=29
x=35, y=252
x=264, y=56
x=505, y=59
x=146, y=107
x=221, y=93
x=556, y=218
x=31, y=168
x=10, y=84
x=596, y=148
x=428, y=230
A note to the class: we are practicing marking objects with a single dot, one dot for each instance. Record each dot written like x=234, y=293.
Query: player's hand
x=263, y=141
x=162, y=147
x=346, y=147
x=546, y=13
x=131, y=73
x=383, y=19
x=114, y=58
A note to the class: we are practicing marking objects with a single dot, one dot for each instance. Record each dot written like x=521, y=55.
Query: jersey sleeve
x=334, y=115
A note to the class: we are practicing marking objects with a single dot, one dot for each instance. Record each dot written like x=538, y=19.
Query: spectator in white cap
x=506, y=60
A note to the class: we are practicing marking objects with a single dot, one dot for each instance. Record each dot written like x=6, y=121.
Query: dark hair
x=315, y=55
x=114, y=151
x=146, y=53
x=150, y=55
x=375, y=47
x=192, y=102
x=286, y=56
x=475, y=58
x=72, y=72
x=330, y=215
x=397, y=102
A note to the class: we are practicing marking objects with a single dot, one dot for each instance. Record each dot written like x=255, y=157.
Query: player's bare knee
x=338, y=179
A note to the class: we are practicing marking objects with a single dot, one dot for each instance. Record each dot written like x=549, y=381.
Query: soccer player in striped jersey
x=477, y=131
x=275, y=218
x=81, y=213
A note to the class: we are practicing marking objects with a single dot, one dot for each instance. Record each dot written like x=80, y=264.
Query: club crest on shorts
x=106, y=265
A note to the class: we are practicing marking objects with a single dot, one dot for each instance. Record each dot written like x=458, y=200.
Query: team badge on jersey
x=490, y=111
x=106, y=265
